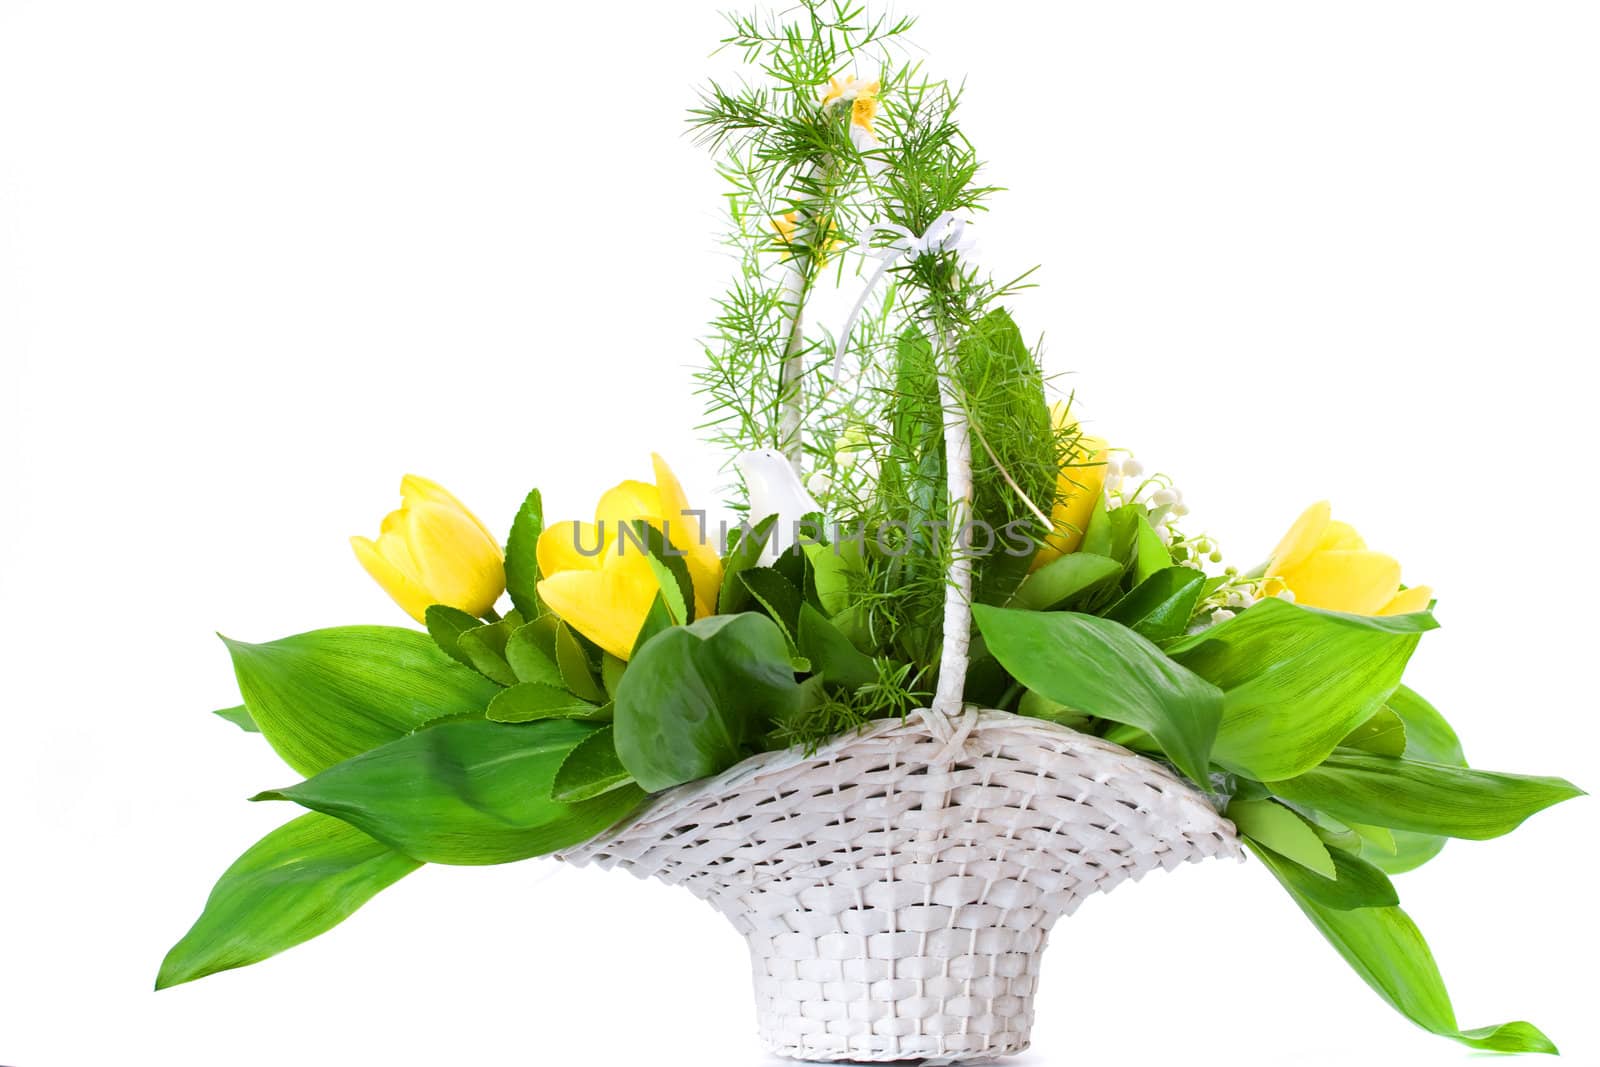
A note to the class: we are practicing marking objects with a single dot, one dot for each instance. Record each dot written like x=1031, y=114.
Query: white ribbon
x=947, y=233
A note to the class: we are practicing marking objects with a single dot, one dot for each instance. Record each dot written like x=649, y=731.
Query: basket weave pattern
x=897, y=887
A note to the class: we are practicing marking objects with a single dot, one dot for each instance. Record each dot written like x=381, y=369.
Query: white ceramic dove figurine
x=775, y=489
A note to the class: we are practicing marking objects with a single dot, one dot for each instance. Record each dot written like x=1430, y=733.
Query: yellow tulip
x=1324, y=563
x=1078, y=487
x=434, y=551
x=601, y=584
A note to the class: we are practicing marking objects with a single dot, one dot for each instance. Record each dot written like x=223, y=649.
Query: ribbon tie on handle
x=947, y=233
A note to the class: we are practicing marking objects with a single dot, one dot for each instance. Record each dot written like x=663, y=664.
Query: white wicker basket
x=897, y=887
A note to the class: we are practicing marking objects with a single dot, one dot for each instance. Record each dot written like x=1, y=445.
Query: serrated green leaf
x=577, y=672
x=301, y=880
x=590, y=769
x=1106, y=670
x=446, y=625
x=522, y=557
x=1159, y=607
x=529, y=701
x=1287, y=834
x=464, y=793
x=485, y=648
x=1062, y=579
x=324, y=696
x=1427, y=798
x=778, y=596
x=1297, y=680
x=240, y=717
x=831, y=654
x=741, y=556
x=530, y=652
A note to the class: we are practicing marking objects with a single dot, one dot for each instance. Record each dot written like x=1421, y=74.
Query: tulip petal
x=1078, y=488
x=415, y=489
x=627, y=502
x=686, y=532
x=1301, y=540
x=1340, y=536
x=456, y=562
x=569, y=546
x=405, y=591
x=1353, y=581
x=608, y=606
x=1417, y=598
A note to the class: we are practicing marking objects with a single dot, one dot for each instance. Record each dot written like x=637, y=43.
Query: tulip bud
x=434, y=551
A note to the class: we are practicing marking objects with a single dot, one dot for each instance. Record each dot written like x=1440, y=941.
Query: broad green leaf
x=1097, y=534
x=522, y=557
x=1150, y=555
x=1430, y=739
x=1427, y=798
x=464, y=793
x=611, y=669
x=1387, y=950
x=1379, y=838
x=831, y=654
x=742, y=556
x=1382, y=735
x=1038, y=706
x=327, y=695
x=777, y=596
x=696, y=696
x=1354, y=884
x=530, y=701
x=446, y=625
x=485, y=649
x=1287, y=834
x=1297, y=680
x=531, y=652
x=301, y=880
x=590, y=769
x=1159, y=607
x=240, y=717
x=1062, y=579
x=577, y=672
x=836, y=570
x=1106, y=670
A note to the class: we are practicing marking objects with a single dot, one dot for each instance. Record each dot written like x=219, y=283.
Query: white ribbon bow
x=947, y=233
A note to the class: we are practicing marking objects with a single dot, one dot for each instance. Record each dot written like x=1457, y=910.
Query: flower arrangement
x=924, y=534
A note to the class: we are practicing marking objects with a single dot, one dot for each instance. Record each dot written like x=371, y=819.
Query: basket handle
x=947, y=696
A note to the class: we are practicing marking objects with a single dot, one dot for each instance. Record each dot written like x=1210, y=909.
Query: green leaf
x=836, y=570
x=446, y=625
x=1430, y=739
x=530, y=701
x=659, y=620
x=1426, y=798
x=1382, y=735
x=577, y=672
x=590, y=769
x=485, y=648
x=1063, y=578
x=531, y=652
x=1159, y=607
x=1106, y=670
x=1387, y=950
x=1354, y=884
x=240, y=717
x=1150, y=552
x=522, y=557
x=611, y=669
x=1037, y=706
x=742, y=556
x=1097, y=533
x=327, y=695
x=777, y=595
x=1287, y=834
x=831, y=654
x=670, y=567
x=301, y=880
x=695, y=697
x=464, y=793
x=1297, y=680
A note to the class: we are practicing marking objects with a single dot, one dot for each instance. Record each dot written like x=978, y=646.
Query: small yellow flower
x=1323, y=563
x=861, y=96
x=788, y=224
x=434, y=551
x=1078, y=487
x=599, y=581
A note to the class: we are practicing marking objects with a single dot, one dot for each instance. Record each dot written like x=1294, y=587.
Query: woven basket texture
x=897, y=886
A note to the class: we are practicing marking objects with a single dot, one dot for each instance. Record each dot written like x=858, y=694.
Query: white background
x=258, y=260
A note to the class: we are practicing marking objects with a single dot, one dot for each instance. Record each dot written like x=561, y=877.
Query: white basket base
x=897, y=887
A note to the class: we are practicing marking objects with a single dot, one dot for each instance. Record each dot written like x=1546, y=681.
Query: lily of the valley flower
x=1078, y=487
x=775, y=489
x=1324, y=563
x=861, y=96
x=434, y=551
x=599, y=581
